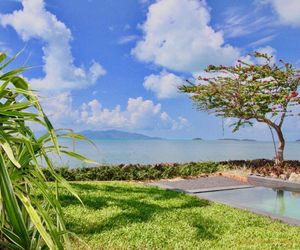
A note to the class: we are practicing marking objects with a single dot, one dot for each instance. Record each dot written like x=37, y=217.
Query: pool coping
x=216, y=189
x=270, y=182
x=200, y=190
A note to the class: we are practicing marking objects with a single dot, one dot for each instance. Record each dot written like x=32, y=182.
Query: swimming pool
x=277, y=204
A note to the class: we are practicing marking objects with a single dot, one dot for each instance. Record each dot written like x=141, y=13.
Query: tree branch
x=282, y=117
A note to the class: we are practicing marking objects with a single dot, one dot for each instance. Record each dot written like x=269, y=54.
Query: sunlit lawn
x=120, y=215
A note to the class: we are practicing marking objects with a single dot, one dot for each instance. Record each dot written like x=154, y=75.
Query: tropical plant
x=264, y=92
x=30, y=213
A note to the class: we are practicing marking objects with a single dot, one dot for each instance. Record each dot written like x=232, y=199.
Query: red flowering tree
x=264, y=92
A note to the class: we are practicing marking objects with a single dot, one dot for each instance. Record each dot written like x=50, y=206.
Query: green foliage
x=120, y=215
x=263, y=92
x=135, y=171
x=248, y=91
x=25, y=221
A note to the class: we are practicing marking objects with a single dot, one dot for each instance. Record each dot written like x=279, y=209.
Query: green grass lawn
x=120, y=215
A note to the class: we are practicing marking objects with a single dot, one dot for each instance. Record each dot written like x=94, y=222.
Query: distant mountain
x=116, y=135
x=197, y=139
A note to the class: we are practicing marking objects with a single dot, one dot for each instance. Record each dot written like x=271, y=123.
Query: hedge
x=136, y=171
x=141, y=172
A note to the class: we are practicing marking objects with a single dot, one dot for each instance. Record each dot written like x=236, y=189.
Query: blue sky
x=117, y=64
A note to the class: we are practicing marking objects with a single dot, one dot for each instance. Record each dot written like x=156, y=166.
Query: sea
x=169, y=151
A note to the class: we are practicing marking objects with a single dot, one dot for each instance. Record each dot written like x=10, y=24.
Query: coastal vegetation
x=136, y=172
x=250, y=92
x=139, y=172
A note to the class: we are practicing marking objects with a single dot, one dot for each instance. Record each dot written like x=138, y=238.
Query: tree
x=30, y=212
x=263, y=91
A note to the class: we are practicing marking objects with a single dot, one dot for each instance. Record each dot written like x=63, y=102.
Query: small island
x=197, y=139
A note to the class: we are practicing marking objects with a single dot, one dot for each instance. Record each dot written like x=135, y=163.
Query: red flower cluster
x=294, y=94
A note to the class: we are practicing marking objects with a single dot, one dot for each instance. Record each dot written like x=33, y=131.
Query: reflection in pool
x=277, y=202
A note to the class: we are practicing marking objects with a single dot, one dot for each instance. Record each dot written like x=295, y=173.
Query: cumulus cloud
x=139, y=114
x=33, y=21
x=59, y=108
x=287, y=10
x=164, y=85
x=177, y=36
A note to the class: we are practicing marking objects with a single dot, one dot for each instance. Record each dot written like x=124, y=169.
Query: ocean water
x=157, y=151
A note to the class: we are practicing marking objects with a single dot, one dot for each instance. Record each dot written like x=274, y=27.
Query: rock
x=294, y=177
x=283, y=176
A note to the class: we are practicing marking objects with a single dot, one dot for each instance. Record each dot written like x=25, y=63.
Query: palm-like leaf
x=30, y=212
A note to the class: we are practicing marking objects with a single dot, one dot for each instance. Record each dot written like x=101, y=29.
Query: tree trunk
x=280, y=149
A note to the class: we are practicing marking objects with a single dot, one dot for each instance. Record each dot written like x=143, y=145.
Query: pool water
x=278, y=203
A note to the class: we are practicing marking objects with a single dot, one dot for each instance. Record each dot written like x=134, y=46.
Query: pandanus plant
x=30, y=212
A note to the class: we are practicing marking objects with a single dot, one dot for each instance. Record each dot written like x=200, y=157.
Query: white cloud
x=177, y=36
x=164, y=85
x=239, y=21
x=127, y=39
x=181, y=123
x=35, y=22
x=139, y=114
x=262, y=41
x=287, y=10
x=59, y=108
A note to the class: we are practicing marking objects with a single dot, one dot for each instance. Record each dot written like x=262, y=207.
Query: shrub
x=136, y=171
